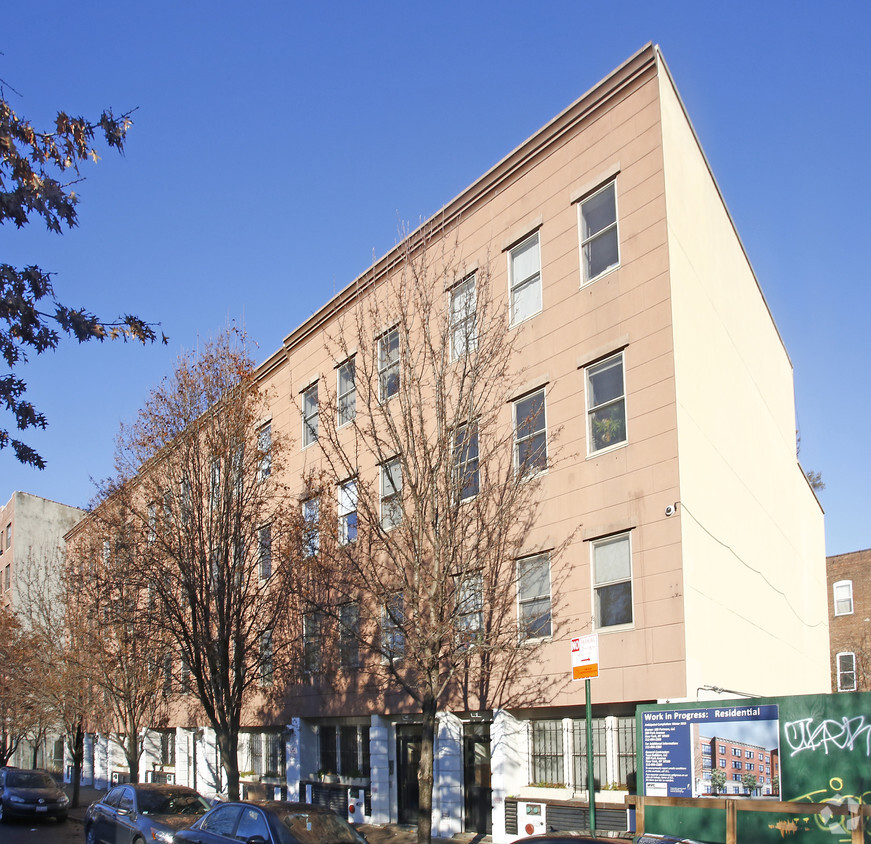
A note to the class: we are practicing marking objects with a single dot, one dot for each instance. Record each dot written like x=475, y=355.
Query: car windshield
x=171, y=803
x=318, y=827
x=29, y=779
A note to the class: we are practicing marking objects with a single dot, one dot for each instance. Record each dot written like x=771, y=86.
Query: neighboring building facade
x=31, y=547
x=849, y=591
x=611, y=242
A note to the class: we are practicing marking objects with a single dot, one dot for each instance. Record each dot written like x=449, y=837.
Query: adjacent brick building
x=849, y=596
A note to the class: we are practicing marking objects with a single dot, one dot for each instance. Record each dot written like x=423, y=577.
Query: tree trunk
x=229, y=746
x=78, y=753
x=425, y=771
x=131, y=751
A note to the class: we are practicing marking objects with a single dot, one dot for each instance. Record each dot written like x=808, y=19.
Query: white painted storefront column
x=509, y=752
x=380, y=733
x=447, y=804
x=292, y=758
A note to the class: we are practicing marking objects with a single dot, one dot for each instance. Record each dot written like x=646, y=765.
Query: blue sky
x=277, y=146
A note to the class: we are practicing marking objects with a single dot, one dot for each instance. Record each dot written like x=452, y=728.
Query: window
x=310, y=416
x=388, y=364
x=464, y=328
x=266, y=658
x=167, y=674
x=612, y=581
x=214, y=483
x=312, y=641
x=392, y=622
x=349, y=631
x=722, y=763
x=185, y=500
x=606, y=404
x=346, y=392
x=167, y=747
x=391, y=494
x=599, y=243
x=252, y=824
x=547, y=752
x=275, y=761
x=264, y=447
x=706, y=750
x=328, y=755
x=152, y=522
x=466, y=460
x=533, y=587
x=722, y=750
x=530, y=437
x=736, y=751
x=347, y=512
x=748, y=754
x=524, y=278
x=311, y=533
x=7, y=577
x=9, y=536
x=264, y=536
x=843, y=590
x=184, y=676
x=846, y=672
x=470, y=607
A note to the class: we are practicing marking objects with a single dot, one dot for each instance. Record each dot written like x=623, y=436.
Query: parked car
x=272, y=822
x=581, y=838
x=138, y=812
x=31, y=794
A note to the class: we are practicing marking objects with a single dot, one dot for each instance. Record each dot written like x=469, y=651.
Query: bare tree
x=125, y=656
x=18, y=709
x=220, y=530
x=433, y=476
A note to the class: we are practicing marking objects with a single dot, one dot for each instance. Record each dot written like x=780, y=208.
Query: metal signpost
x=585, y=666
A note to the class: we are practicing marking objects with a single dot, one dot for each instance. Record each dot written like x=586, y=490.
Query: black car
x=273, y=822
x=136, y=813
x=31, y=794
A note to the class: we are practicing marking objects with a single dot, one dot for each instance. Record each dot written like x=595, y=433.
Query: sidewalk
x=374, y=833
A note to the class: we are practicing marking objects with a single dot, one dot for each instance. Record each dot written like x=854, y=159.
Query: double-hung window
x=214, y=483
x=533, y=596
x=348, y=511
x=846, y=662
x=600, y=249
x=264, y=447
x=530, y=434
x=349, y=635
x=464, y=337
x=310, y=416
x=524, y=278
x=266, y=666
x=388, y=364
x=843, y=593
x=393, y=627
x=606, y=404
x=346, y=392
x=311, y=527
x=612, y=581
x=264, y=536
x=312, y=641
x=470, y=607
x=466, y=460
x=391, y=494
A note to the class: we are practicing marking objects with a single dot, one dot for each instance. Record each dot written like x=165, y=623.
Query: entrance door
x=408, y=739
x=477, y=793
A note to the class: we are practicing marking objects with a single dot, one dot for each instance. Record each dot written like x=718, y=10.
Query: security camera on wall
x=671, y=509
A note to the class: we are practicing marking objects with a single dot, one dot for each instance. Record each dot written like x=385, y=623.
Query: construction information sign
x=585, y=657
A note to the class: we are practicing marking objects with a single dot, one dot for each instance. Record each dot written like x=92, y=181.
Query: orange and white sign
x=585, y=657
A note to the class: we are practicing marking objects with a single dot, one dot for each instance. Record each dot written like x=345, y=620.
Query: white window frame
x=525, y=601
x=523, y=434
x=264, y=446
x=528, y=281
x=466, y=453
x=390, y=485
x=311, y=517
x=841, y=673
x=464, y=317
x=388, y=365
x=264, y=551
x=618, y=401
x=392, y=635
x=588, y=241
x=845, y=587
x=310, y=415
x=470, y=606
x=347, y=504
x=597, y=584
x=346, y=399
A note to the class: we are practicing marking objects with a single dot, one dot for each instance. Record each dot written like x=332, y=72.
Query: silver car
x=136, y=813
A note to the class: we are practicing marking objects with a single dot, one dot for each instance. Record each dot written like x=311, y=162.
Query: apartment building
x=849, y=590
x=692, y=542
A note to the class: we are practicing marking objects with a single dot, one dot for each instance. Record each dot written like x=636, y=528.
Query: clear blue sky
x=278, y=144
